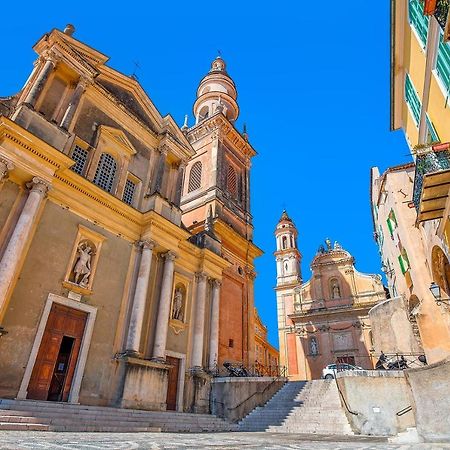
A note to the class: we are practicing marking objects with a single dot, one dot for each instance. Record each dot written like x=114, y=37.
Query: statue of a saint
x=82, y=268
x=328, y=243
x=313, y=346
x=335, y=291
x=177, y=311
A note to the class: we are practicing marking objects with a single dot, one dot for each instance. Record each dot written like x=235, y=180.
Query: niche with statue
x=178, y=310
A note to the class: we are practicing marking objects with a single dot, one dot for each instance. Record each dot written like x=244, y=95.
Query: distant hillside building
x=324, y=320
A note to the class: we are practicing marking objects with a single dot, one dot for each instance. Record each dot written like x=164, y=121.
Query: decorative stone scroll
x=83, y=261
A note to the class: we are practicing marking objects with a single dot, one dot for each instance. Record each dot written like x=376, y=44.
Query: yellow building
x=106, y=298
x=420, y=83
x=266, y=355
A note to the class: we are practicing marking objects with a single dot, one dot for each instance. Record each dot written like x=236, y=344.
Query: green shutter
x=389, y=225
x=432, y=135
x=402, y=265
x=418, y=20
x=443, y=63
x=412, y=99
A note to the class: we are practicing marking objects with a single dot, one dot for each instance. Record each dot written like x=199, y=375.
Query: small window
x=284, y=242
x=79, y=155
x=106, y=172
x=195, y=177
x=230, y=343
x=232, y=182
x=128, y=192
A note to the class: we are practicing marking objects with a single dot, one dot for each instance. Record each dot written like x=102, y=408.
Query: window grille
x=232, y=181
x=195, y=177
x=412, y=99
x=128, y=192
x=418, y=20
x=79, y=155
x=106, y=172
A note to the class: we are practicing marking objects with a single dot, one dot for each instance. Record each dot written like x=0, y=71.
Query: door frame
x=84, y=348
x=181, y=376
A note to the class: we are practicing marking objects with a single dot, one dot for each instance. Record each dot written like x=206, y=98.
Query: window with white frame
x=106, y=172
x=129, y=191
x=79, y=155
x=443, y=63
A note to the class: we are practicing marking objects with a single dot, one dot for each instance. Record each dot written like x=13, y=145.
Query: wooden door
x=172, y=387
x=62, y=322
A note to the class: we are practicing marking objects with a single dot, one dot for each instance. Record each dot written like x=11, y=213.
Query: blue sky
x=313, y=89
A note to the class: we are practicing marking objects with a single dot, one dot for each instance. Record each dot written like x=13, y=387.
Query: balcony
x=438, y=8
x=432, y=181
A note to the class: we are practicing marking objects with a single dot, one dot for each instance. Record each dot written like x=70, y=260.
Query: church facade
x=126, y=272
x=324, y=320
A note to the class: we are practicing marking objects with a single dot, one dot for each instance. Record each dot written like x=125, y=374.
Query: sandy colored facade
x=420, y=74
x=267, y=356
x=324, y=320
x=106, y=298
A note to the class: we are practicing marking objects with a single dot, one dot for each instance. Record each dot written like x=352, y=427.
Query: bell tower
x=217, y=187
x=287, y=254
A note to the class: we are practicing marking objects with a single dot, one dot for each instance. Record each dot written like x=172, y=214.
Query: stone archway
x=440, y=267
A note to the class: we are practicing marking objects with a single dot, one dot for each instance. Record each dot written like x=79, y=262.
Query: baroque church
x=324, y=320
x=126, y=251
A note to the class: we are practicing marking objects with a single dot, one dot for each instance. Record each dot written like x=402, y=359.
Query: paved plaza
x=19, y=440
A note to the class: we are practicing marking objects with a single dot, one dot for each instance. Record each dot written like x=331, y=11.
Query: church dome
x=216, y=93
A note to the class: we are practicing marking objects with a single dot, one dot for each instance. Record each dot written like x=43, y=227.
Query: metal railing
x=428, y=162
x=255, y=370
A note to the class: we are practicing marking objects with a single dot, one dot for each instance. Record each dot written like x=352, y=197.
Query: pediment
x=118, y=137
x=130, y=94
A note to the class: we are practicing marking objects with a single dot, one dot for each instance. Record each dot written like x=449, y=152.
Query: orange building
x=267, y=356
x=216, y=206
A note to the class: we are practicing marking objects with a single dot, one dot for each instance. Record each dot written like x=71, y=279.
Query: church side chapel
x=324, y=320
x=126, y=254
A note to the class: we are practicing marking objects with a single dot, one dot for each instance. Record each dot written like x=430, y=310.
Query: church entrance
x=172, y=386
x=56, y=360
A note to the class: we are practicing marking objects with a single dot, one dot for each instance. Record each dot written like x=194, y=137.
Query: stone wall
x=376, y=396
x=391, y=330
x=430, y=388
x=234, y=398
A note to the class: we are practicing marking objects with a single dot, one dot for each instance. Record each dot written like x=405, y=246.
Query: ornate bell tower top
x=216, y=92
x=287, y=254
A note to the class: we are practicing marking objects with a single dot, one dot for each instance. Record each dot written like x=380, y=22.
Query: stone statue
x=328, y=243
x=335, y=291
x=177, y=311
x=321, y=250
x=82, y=268
x=313, y=346
x=337, y=246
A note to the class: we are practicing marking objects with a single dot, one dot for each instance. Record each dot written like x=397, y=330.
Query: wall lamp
x=436, y=291
x=2, y=332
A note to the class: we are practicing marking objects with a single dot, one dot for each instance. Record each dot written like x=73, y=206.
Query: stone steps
x=55, y=416
x=301, y=407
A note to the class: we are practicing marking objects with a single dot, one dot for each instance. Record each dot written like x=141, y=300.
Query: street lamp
x=436, y=291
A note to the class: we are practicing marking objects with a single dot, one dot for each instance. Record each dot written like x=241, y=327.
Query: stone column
x=73, y=104
x=139, y=299
x=214, y=326
x=20, y=237
x=199, y=321
x=38, y=85
x=179, y=186
x=5, y=167
x=160, y=168
x=162, y=321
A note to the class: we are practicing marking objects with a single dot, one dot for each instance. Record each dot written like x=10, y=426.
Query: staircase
x=54, y=416
x=312, y=407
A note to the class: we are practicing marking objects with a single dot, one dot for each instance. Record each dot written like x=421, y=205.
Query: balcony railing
x=432, y=181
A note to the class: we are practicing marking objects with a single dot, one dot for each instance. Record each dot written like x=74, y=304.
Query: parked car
x=330, y=371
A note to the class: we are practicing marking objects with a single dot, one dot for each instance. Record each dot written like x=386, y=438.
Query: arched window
x=106, y=172
x=284, y=242
x=313, y=347
x=232, y=181
x=335, y=289
x=286, y=266
x=195, y=177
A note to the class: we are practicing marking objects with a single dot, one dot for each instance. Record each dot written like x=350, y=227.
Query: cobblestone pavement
x=19, y=440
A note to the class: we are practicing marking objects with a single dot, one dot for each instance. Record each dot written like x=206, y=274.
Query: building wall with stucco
x=91, y=185
x=324, y=320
